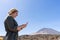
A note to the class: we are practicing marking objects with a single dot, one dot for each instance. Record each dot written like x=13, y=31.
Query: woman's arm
x=10, y=25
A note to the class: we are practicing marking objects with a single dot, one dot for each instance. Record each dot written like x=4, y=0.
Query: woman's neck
x=11, y=16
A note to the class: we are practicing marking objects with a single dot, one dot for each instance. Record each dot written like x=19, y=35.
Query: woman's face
x=15, y=14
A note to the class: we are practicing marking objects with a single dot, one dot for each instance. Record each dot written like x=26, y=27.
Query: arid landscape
x=43, y=34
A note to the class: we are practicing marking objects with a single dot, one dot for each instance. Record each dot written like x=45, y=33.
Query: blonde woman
x=11, y=25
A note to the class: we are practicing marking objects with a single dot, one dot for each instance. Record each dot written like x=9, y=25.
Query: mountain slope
x=47, y=31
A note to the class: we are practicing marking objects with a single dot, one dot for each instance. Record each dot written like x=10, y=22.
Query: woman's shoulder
x=9, y=17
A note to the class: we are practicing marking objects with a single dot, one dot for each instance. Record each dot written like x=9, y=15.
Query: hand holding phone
x=24, y=25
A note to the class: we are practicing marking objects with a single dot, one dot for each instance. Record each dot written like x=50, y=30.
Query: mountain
x=47, y=31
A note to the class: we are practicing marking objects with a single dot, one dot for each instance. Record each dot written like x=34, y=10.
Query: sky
x=38, y=13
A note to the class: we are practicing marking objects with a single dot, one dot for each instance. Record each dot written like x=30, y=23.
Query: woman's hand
x=22, y=26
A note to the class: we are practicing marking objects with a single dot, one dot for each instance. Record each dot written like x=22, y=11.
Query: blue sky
x=39, y=13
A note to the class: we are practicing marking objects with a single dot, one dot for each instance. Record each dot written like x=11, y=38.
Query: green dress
x=11, y=28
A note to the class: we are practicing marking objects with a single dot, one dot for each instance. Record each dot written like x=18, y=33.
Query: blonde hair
x=13, y=10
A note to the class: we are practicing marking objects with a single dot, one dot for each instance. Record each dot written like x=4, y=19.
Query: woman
x=11, y=25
